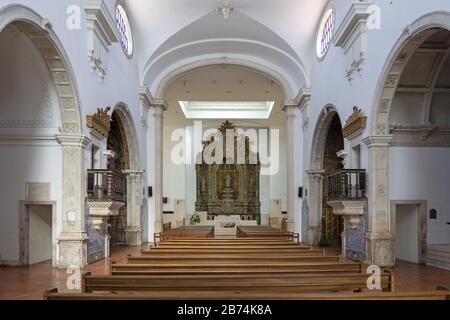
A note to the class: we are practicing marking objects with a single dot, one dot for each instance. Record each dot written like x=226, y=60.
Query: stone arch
x=172, y=75
x=320, y=136
x=39, y=32
x=135, y=200
x=316, y=173
x=72, y=240
x=123, y=113
x=405, y=47
x=380, y=239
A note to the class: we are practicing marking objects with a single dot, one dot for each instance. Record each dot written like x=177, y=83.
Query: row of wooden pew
x=235, y=269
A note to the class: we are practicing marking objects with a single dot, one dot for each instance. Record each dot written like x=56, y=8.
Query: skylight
x=227, y=109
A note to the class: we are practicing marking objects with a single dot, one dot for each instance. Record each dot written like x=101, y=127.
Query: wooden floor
x=29, y=283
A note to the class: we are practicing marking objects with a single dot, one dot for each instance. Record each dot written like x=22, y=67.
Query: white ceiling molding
x=160, y=82
x=260, y=110
x=102, y=33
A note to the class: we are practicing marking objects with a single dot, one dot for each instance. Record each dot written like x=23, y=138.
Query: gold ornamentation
x=355, y=123
x=100, y=121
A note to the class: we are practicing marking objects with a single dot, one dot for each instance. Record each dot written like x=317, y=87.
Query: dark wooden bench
x=53, y=294
x=206, y=254
x=300, y=283
x=242, y=268
x=219, y=259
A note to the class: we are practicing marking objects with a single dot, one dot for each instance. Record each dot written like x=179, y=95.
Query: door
x=40, y=236
x=407, y=232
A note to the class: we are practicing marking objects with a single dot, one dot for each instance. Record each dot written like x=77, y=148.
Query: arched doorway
x=324, y=228
x=409, y=145
x=41, y=131
x=332, y=225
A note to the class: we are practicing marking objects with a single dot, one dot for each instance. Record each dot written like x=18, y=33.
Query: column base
x=158, y=226
x=314, y=235
x=291, y=226
x=134, y=236
x=380, y=249
x=72, y=250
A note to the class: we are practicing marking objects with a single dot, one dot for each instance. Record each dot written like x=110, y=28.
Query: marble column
x=315, y=178
x=134, y=201
x=290, y=109
x=379, y=238
x=157, y=109
x=72, y=240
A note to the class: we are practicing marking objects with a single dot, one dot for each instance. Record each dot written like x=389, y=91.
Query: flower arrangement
x=195, y=219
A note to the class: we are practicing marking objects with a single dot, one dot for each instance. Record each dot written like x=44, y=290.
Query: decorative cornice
x=378, y=141
x=303, y=96
x=74, y=140
x=100, y=21
x=145, y=96
x=159, y=103
x=357, y=14
x=356, y=122
x=100, y=121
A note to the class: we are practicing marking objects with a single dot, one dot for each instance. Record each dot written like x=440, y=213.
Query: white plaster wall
x=18, y=165
x=423, y=174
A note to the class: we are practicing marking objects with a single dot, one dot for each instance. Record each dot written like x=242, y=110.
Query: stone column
x=289, y=109
x=316, y=178
x=379, y=238
x=134, y=201
x=73, y=238
x=157, y=109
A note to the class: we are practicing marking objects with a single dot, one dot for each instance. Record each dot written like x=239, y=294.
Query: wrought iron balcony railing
x=106, y=185
x=348, y=184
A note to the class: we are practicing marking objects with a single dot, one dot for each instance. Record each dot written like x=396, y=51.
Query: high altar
x=231, y=188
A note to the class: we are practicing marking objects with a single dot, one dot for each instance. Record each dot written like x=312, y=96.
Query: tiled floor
x=30, y=283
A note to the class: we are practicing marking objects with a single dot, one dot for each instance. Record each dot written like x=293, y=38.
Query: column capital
x=159, y=104
x=145, y=96
x=315, y=173
x=378, y=141
x=73, y=140
x=303, y=97
x=133, y=172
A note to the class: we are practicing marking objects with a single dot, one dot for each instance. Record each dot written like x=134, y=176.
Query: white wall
x=423, y=174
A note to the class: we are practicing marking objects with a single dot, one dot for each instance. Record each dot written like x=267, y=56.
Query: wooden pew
x=232, y=259
x=163, y=245
x=212, y=254
x=234, y=283
x=228, y=251
x=272, y=268
x=53, y=294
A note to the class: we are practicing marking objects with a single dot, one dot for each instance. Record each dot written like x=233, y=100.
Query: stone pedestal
x=352, y=212
x=72, y=250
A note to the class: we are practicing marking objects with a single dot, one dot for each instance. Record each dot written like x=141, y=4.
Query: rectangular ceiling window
x=227, y=109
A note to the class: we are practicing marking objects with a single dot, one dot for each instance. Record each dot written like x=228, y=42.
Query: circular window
x=123, y=25
x=326, y=31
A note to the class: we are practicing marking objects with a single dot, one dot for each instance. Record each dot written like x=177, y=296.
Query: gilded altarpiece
x=230, y=188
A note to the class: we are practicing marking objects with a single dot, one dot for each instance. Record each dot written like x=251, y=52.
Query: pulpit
x=232, y=187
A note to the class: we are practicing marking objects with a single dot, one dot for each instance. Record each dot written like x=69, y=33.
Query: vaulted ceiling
x=275, y=37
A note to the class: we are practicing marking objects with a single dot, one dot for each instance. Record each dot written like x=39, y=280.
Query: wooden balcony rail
x=348, y=184
x=106, y=185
